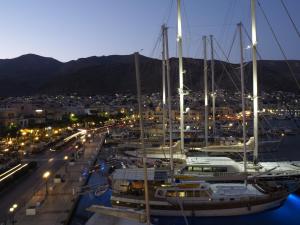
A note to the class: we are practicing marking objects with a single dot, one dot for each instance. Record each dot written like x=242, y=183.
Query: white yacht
x=226, y=169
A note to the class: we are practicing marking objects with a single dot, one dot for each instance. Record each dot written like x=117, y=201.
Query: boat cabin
x=210, y=165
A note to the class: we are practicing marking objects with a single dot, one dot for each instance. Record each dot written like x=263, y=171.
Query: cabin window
x=207, y=169
x=189, y=194
x=201, y=194
x=171, y=194
x=220, y=169
x=197, y=168
x=204, y=194
x=181, y=194
x=197, y=193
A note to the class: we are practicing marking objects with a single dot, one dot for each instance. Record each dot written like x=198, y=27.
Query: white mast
x=180, y=66
x=165, y=33
x=213, y=85
x=243, y=97
x=205, y=92
x=138, y=84
x=163, y=88
x=254, y=68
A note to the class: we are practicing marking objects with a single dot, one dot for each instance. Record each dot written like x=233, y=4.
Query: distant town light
x=248, y=113
x=38, y=110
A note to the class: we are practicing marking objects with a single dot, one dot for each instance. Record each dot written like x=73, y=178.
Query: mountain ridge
x=32, y=74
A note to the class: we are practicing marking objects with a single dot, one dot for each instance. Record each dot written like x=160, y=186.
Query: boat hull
x=220, y=212
x=162, y=208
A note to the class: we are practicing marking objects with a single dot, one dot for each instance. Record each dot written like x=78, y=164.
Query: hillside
x=32, y=74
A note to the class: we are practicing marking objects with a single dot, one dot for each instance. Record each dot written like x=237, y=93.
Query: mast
x=169, y=97
x=138, y=84
x=180, y=66
x=205, y=92
x=243, y=97
x=254, y=68
x=213, y=86
x=163, y=88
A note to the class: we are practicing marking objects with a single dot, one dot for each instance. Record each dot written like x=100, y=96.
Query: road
x=22, y=190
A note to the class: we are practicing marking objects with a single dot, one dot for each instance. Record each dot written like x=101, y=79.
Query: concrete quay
x=55, y=206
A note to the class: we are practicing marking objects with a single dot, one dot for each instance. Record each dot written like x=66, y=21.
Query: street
x=22, y=190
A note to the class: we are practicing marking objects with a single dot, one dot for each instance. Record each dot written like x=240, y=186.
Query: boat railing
x=240, y=174
x=237, y=175
x=212, y=174
x=276, y=173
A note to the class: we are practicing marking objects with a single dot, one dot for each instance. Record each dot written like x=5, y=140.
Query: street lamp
x=46, y=176
x=66, y=163
x=12, y=211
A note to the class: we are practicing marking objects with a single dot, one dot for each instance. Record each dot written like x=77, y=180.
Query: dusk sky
x=71, y=29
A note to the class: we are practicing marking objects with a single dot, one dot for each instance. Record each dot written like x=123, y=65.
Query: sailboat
x=193, y=198
x=190, y=195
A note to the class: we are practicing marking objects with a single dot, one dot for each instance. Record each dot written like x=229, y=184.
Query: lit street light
x=66, y=163
x=12, y=211
x=46, y=176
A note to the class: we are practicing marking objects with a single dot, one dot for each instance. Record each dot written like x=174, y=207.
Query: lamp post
x=66, y=163
x=12, y=211
x=46, y=176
